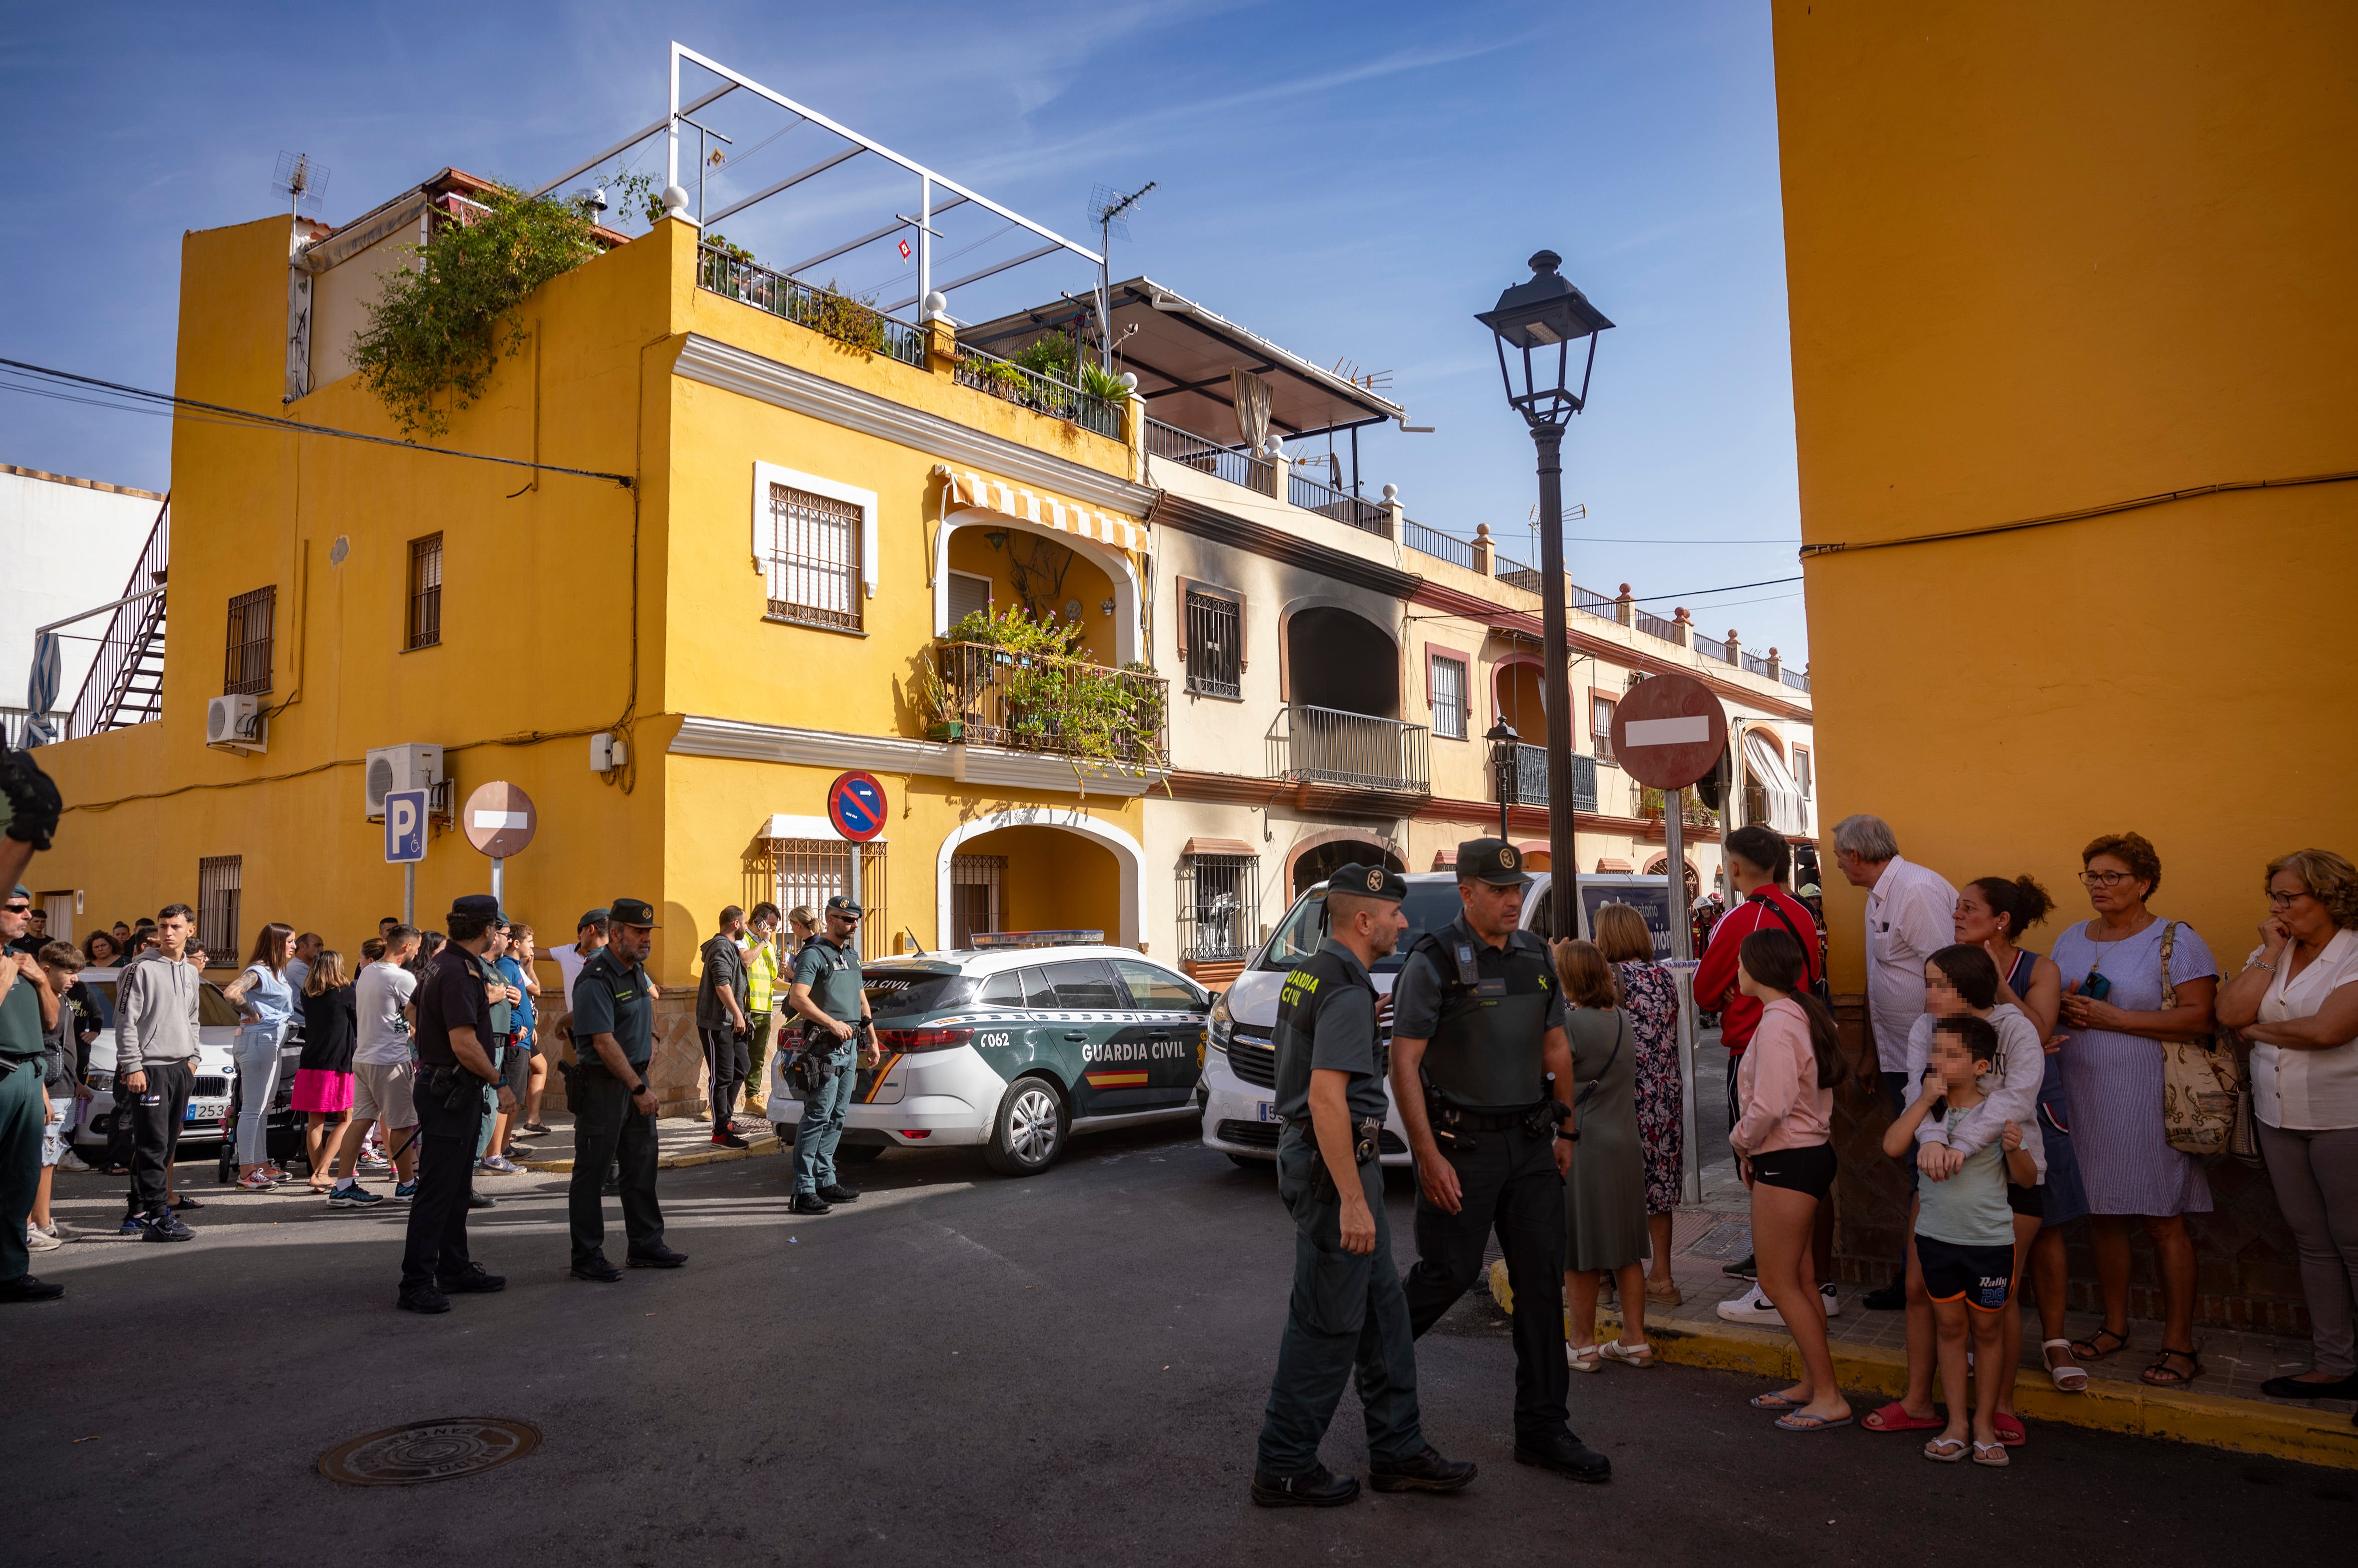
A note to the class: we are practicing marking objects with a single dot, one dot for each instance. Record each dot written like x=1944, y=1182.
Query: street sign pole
x=409, y=895
x=497, y=863
x=1682, y=949
x=406, y=829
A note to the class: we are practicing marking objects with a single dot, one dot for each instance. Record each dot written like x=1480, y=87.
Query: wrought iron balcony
x=1532, y=779
x=1692, y=813
x=1031, y=702
x=1203, y=455
x=846, y=319
x=1343, y=507
x=1031, y=389
x=1356, y=750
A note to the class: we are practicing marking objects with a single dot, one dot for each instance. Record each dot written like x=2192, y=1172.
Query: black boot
x=1566, y=1454
x=1428, y=1472
x=1316, y=1487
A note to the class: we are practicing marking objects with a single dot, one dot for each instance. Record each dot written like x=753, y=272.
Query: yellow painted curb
x=768, y=1144
x=2242, y=1426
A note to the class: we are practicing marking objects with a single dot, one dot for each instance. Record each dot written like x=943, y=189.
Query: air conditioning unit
x=413, y=766
x=236, y=724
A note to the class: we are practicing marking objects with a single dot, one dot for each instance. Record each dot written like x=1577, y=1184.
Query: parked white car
x=216, y=1066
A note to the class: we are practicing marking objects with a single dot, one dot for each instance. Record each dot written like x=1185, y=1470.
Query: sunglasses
x=18, y=908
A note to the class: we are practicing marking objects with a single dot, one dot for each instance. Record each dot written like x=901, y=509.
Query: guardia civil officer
x=1477, y=1027
x=827, y=991
x=613, y=1104
x=454, y=1068
x=1346, y=1311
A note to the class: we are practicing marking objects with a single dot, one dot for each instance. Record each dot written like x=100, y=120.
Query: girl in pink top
x=1785, y=1084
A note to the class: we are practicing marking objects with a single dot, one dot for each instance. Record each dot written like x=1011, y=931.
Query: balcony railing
x=1798, y=679
x=1031, y=702
x=1655, y=626
x=1325, y=745
x=1030, y=389
x=837, y=316
x=1440, y=547
x=1532, y=779
x=1206, y=456
x=1692, y=813
x=1327, y=502
x=125, y=683
x=1711, y=647
x=13, y=723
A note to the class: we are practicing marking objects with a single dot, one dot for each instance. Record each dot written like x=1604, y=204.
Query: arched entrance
x=1660, y=863
x=1038, y=868
x=1316, y=862
x=1518, y=696
x=1010, y=560
x=1338, y=659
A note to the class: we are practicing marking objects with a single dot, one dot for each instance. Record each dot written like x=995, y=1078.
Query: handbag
x=2202, y=1092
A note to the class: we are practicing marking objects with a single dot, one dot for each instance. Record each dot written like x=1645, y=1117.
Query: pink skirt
x=318, y=1089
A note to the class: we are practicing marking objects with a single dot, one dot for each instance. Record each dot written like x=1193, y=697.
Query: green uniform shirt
x=1327, y=1019
x=833, y=976
x=503, y=1011
x=20, y=1021
x=611, y=998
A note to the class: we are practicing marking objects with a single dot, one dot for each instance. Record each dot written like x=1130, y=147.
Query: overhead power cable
x=2083, y=513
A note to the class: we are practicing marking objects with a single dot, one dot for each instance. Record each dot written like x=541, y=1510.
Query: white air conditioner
x=236, y=724
x=413, y=766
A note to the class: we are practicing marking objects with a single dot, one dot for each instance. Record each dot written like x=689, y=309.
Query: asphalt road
x=960, y=1368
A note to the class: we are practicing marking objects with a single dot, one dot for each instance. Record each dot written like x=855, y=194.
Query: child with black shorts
x=1965, y=1235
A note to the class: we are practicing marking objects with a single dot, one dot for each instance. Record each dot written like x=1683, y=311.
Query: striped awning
x=970, y=488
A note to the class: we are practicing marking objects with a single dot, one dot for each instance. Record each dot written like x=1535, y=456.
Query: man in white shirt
x=383, y=1069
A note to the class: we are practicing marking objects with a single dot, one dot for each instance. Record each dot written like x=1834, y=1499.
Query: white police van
x=1239, y=1091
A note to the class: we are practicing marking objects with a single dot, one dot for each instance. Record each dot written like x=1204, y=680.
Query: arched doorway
x=981, y=555
x=1319, y=861
x=1335, y=658
x=1038, y=867
x=1519, y=697
x=1660, y=863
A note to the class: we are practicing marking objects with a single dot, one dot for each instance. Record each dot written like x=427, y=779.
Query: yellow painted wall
x=1053, y=880
x=2046, y=257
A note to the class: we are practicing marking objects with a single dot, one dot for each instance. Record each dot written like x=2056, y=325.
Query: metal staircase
x=125, y=684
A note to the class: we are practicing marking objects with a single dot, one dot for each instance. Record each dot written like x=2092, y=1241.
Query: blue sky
x=1350, y=180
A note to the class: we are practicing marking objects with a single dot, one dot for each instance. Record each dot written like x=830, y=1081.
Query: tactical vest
x=1486, y=1049
x=1315, y=975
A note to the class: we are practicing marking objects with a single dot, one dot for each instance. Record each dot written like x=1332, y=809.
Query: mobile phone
x=2096, y=986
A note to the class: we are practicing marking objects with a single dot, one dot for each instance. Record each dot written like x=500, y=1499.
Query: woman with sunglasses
x=2112, y=1015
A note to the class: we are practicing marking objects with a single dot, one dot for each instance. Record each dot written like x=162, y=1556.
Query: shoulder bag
x=2203, y=1091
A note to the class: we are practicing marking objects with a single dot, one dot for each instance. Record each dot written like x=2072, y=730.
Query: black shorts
x=1810, y=1170
x=2029, y=1202
x=1978, y=1276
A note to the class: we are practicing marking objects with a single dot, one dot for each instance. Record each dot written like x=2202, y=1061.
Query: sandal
x=1894, y=1417
x=2092, y=1348
x=2070, y=1378
x=1669, y=1295
x=1583, y=1357
x=2009, y=1429
x=1803, y=1421
x=1945, y=1450
x=1639, y=1355
x=1992, y=1456
x=2162, y=1375
x=1774, y=1402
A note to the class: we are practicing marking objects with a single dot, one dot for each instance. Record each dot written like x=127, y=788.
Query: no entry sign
x=855, y=803
x=1669, y=732
x=500, y=820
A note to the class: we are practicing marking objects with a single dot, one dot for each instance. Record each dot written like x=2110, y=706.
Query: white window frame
x=767, y=474
x=1460, y=710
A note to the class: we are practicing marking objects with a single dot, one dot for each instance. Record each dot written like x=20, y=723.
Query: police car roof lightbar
x=989, y=940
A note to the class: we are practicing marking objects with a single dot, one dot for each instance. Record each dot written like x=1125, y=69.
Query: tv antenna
x=303, y=182
x=1110, y=210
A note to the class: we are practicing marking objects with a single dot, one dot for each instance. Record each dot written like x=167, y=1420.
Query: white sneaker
x=1751, y=1307
x=39, y=1240
x=1833, y=1299
x=69, y=1161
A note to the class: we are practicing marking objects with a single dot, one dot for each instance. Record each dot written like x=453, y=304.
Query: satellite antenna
x=303, y=182
x=1110, y=209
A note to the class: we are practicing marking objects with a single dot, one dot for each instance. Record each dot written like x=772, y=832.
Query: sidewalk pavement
x=681, y=1141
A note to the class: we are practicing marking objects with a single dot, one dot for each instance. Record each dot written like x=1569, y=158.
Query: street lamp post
x=1503, y=741
x=1531, y=318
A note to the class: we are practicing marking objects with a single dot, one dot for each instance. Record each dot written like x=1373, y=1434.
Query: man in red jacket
x=1758, y=859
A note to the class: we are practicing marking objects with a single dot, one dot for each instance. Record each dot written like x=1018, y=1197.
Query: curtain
x=1786, y=811
x=1251, y=395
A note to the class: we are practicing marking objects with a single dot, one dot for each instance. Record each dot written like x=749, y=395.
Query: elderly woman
x=2296, y=1002
x=1650, y=1000
x=2116, y=968
x=1604, y=1199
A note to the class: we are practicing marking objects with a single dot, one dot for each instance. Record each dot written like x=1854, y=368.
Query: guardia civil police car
x=1015, y=1046
x=1239, y=1088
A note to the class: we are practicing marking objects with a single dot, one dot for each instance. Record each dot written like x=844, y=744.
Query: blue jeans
x=257, y=1079
x=821, y=1127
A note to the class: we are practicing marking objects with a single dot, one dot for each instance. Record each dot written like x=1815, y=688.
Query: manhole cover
x=428, y=1451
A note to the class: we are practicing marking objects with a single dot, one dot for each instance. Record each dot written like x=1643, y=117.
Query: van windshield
x=1428, y=906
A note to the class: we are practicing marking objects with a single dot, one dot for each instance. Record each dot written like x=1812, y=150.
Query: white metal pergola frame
x=928, y=180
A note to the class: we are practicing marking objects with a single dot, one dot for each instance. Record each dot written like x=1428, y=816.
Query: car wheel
x=857, y=1153
x=1028, y=1133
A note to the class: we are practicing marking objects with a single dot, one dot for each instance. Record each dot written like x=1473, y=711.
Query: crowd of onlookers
x=2026, y=1093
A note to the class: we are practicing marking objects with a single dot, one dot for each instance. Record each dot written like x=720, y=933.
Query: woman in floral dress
x=1650, y=997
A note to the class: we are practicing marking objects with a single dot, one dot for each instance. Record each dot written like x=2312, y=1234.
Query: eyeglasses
x=2286, y=899
x=18, y=908
x=2107, y=879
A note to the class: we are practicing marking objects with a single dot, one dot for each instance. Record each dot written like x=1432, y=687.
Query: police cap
x=1492, y=860
x=591, y=917
x=1368, y=881
x=841, y=906
x=636, y=912
x=478, y=906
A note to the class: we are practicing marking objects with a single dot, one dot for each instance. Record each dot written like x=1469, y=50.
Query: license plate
x=1266, y=1111
x=207, y=1110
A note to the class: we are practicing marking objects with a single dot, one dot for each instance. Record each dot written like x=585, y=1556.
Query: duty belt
x=1462, y=1120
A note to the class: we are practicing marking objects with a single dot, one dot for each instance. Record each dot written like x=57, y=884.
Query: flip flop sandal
x=2093, y=1347
x=1946, y=1450
x=1991, y=1456
x=2010, y=1433
x=1774, y=1402
x=2162, y=1375
x=1801, y=1421
x=2069, y=1378
x=1894, y=1417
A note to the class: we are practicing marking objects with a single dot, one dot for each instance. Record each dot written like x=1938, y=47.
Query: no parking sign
x=855, y=803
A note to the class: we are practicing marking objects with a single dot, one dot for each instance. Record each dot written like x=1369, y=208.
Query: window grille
x=975, y=882
x=219, y=880
x=1449, y=697
x=814, y=568
x=1600, y=725
x=809, y=871
x=1214, y=644
x=246, y=665
x=1219, y=907
x=424, y=592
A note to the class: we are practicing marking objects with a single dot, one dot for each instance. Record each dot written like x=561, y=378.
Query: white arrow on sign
x=496, y=821
x=1687, y=729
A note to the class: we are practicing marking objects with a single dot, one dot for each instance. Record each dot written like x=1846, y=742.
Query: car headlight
x=101, y=1081
x=1220, y=1023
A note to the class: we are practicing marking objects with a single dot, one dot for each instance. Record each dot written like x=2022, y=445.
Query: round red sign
x=855, y=803
x=500, y=819
x=1668, y=730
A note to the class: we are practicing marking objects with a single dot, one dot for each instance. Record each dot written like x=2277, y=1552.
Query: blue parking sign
x=404, y=827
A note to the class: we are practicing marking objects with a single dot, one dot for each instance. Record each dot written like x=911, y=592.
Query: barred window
x=814, y=564
x=975, y=881
x=1214, y=644
x=1219, y=907
x=424, y=592
x=1600, y=727
x=1449, y=697
x=246, y=666
x=808, y=872
x=219, y=880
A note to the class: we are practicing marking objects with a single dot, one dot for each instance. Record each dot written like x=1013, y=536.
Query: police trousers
x=24, y=1112
x=821, y=1127
x=1506, y=1181
x=609, y=1130
x=436, y=1243
x=1346, y=1314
